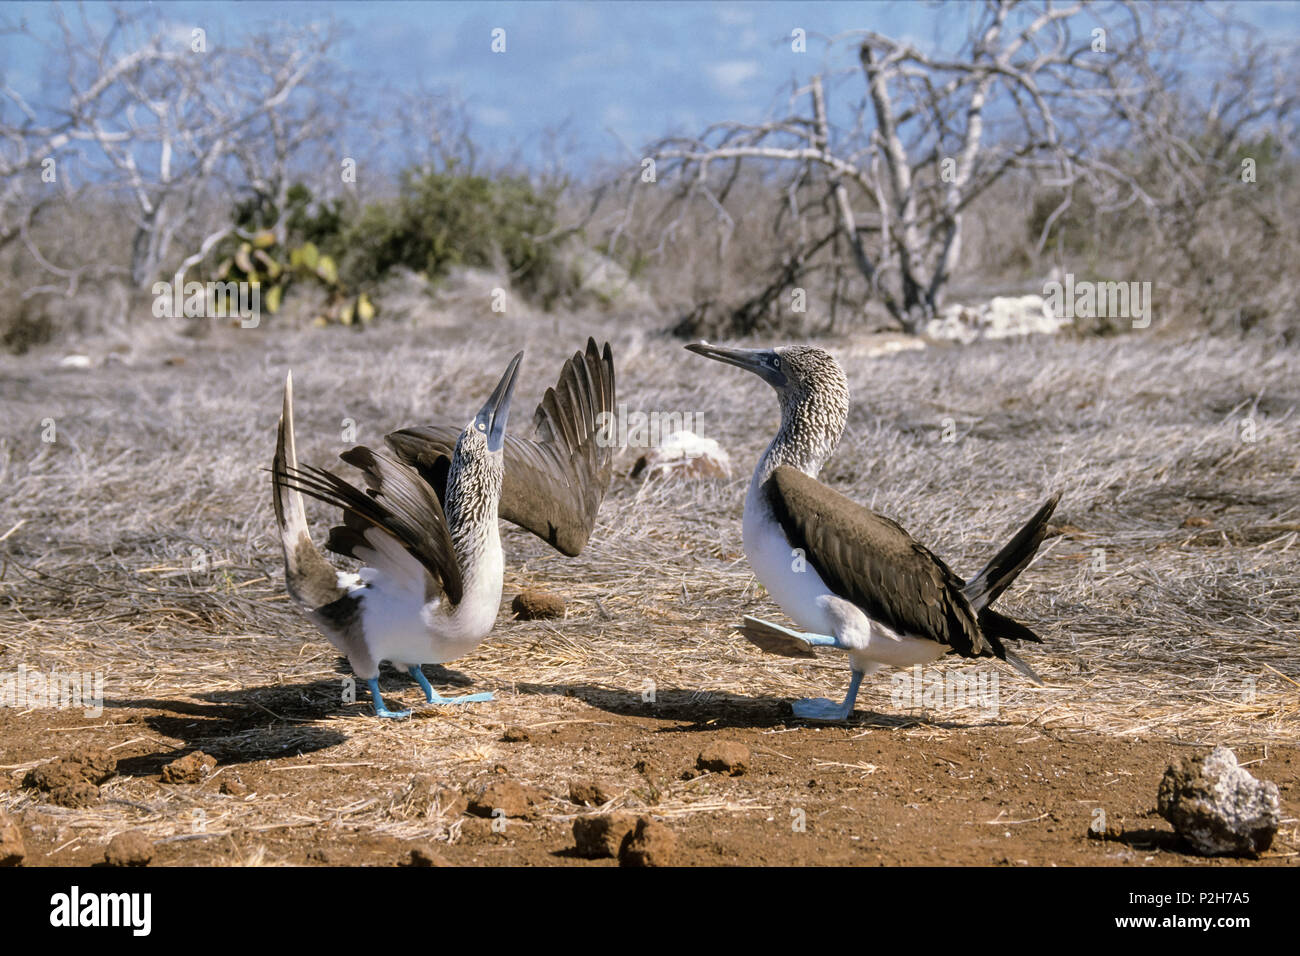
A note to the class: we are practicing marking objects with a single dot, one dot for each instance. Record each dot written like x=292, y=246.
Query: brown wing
x=872, y=562
x=398, y=504
x=555, y=479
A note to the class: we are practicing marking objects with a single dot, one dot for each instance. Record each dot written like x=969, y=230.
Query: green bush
x=444, y=219
x=437, y=221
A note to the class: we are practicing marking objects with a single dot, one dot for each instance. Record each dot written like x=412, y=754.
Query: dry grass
x=154, y=460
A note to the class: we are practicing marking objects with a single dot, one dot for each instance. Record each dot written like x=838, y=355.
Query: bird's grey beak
x=762, y=362
x=494, y=415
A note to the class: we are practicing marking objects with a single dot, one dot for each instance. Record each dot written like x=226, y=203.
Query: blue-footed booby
x=855, y=580
x=425, y=529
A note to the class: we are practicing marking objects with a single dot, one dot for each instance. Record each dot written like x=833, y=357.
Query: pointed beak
x=758, y=361
x=496, y=412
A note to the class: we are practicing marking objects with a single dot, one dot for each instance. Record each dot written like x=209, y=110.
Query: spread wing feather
x=554, y=479
x=397, y=503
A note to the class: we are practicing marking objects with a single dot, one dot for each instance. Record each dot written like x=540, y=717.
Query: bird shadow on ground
x=671, y=703
x=260, y=723
x=713, y=710
x=242, y=726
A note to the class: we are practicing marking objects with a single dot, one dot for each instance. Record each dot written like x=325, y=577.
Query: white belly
x=401, y=628
x=793, y=583
x=802, y=594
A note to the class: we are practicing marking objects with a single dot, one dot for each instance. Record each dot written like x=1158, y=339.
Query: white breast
x=810, y=603
x=401, y=628
x=793, y=582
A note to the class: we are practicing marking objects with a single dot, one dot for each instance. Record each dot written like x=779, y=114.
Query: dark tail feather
x=309, y=576
x=1016, y=662
x=983, y=589
x=1001, y=628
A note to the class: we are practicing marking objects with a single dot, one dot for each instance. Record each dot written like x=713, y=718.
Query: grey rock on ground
x=1219, y=808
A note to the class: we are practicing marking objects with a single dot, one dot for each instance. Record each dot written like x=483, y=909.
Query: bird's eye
x=776, y=362
x=482, y=427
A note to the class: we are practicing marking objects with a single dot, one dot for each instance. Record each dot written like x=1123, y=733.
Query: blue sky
x=614, y=75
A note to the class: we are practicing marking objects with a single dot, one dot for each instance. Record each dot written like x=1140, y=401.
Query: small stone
x=514, y=735
x=425, y=796
x=507, y=796
x=12, y=851
x=588, y=793
x=129, y=849
x=97, y=765
x=91, y=766
x=1111, y=831
x=76, y=795
x=1219, y=808
x=1196, y=521
x=535, y=604
x=233, y=788
x=424, y=855
x=49, y=776
x=327, y=856
x=650, y=844
x=602, y=836
x=724, y=756
x=192, y=768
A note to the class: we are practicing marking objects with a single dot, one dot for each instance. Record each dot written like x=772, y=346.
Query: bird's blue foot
x=467, y=699
x=381, y=710
x=775, y=639
x=819, y=708
x=433, y=697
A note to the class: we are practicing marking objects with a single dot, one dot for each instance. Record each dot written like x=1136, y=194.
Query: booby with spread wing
x=555, y=479
x=853, y=579
x=426, y=527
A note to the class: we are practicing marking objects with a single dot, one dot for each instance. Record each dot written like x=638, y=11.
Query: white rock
x=1218, y=807
x=999, y=318
x=686, y=454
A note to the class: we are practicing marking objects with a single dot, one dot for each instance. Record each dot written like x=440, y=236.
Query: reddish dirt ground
x=870, y=792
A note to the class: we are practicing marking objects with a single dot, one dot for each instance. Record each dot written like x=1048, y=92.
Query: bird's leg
x=433, y=697
x=819, y=708
x=378, y=700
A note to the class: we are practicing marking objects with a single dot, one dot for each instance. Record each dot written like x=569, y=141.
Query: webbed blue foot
x=775, y=639
x=433, y=697
x=819, y=708
x=381, y=709
x=467, y=699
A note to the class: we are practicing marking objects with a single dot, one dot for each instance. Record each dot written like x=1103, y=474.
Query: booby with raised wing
x=426, y=530
x=556, y=477
x=853, y=579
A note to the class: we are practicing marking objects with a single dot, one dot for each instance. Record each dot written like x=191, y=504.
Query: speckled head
x=814, y=396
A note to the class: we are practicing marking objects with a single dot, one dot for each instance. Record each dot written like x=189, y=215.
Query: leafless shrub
x=159, y=131
x=1084, y=100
